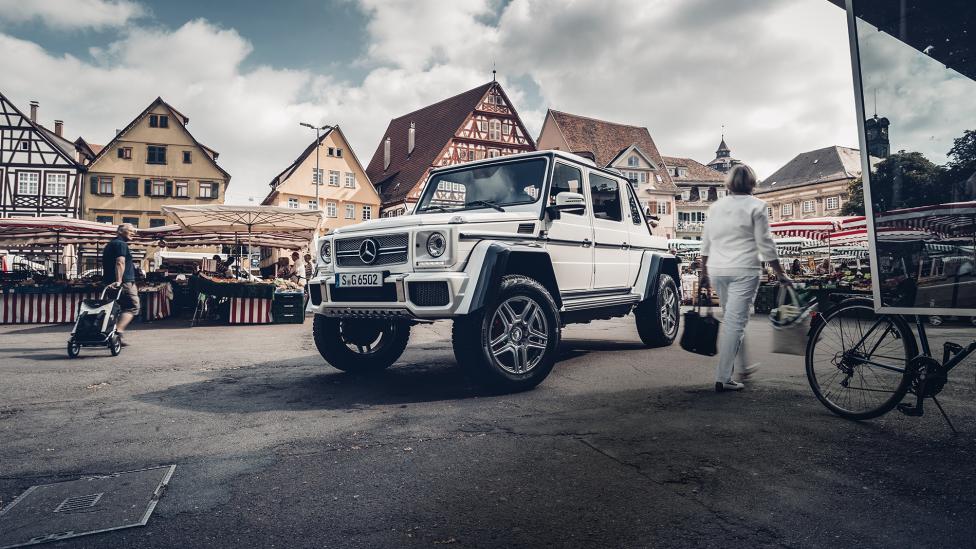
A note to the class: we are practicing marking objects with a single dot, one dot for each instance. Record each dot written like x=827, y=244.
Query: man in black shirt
x=118, y=271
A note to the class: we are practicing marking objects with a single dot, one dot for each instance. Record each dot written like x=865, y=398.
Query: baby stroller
x=95, y=326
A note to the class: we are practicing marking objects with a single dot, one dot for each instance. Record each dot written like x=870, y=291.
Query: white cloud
x=72, y=14
x=775, y=73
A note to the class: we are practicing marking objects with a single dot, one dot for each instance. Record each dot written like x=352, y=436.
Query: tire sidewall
x=650, y=325
x=326, y=332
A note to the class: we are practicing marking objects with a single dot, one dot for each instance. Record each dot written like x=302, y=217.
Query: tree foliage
x=855, y=198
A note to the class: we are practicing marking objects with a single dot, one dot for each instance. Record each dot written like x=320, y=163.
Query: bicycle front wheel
x=857, y=360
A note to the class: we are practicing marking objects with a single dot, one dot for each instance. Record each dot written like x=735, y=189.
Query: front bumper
x=404, y=295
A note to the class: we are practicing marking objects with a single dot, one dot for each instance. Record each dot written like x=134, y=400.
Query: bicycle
x=861, y=364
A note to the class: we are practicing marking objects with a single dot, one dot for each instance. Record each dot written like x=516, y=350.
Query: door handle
x=587, y=242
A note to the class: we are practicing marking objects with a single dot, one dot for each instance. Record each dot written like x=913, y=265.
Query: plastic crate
x=288, y=308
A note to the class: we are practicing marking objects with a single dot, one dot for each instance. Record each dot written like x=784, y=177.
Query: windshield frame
x=544, y=184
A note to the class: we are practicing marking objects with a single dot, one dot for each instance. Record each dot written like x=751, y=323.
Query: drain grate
x=89, y=505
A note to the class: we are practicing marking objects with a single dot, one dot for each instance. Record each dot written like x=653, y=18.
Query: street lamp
x=318, y=144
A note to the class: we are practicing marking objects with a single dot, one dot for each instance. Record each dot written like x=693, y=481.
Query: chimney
x=59, y=128
x=386, y=154
x=411, y=138
x=34, y=105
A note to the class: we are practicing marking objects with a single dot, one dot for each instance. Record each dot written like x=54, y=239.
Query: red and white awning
x=816, y=228
x=950, y=218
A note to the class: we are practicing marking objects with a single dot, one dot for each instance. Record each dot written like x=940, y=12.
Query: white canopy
x=221, y=218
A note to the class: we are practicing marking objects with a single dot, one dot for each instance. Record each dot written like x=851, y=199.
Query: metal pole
x=318, y=173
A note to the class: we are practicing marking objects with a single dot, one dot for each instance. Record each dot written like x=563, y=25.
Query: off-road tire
x=471, y=338
x=652, y=326
x=327, y=333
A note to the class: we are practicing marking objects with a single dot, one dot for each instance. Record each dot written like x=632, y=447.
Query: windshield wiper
x=432, y=208
x=486, y=203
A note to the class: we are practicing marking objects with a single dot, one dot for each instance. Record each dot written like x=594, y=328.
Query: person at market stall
x=285, y=270
x=298, y=271
x=308, y=267
x=118, y=271
x=223, y=268
x=735, y=238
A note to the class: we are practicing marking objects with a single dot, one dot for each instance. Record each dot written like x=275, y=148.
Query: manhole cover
x=50, y=512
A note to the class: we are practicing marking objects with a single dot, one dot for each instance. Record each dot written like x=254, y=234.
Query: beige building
x=627, y=149
x=699, y=187
x=346, y=194
x=152, y=162
x=813, y=184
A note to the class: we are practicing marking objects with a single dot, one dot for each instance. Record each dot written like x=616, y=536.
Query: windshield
x=491, y=186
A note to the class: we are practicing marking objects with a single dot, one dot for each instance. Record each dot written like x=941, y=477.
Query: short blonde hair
x=125, y=227
x=741, y=180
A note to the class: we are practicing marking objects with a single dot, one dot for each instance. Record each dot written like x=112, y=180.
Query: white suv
x=510, y=249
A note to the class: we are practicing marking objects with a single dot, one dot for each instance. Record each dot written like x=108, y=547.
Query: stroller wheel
x=115, y=345
x=74, y=348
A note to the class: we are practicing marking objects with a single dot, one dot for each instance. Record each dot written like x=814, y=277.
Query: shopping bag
x=701, y=331
x=791, y=322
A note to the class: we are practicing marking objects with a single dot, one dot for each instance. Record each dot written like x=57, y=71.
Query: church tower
x=723, y=160
x=876, y=132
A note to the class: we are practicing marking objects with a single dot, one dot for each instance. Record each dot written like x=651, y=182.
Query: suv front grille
x=392, y=250
x=429, y=294
x=384, y=294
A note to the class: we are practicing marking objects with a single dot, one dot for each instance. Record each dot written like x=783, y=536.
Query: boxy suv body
x=510, y=249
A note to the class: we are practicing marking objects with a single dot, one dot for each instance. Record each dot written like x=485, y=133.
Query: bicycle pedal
x=909, y=409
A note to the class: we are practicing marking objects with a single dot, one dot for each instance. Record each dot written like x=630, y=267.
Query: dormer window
x=633, y=161
x=158, y=121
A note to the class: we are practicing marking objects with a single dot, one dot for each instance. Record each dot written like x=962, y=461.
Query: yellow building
x=346, y=194
x=152, y=162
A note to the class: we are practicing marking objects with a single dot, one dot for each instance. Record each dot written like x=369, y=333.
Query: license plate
x=358, y=280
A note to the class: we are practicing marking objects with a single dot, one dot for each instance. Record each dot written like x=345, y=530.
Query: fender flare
x=495, y=265
x=659, y=264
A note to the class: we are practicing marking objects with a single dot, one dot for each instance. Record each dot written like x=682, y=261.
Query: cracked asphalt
x=620, y=447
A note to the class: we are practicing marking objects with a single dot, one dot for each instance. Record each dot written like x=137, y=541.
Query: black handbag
x=701, y=330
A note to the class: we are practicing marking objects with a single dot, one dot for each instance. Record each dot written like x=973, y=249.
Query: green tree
x=855, y=198
x=961, y=167
x=905, y=180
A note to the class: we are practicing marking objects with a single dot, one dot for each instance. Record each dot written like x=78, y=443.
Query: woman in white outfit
x=736, y=236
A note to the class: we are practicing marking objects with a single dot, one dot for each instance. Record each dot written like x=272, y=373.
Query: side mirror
x=568, y=202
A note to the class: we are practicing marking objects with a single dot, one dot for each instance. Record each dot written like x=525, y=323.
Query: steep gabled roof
x=696, y=171
x=435, y=126
x=607, y=140
x=63, y=147
x=183, y=120
x=818, y=166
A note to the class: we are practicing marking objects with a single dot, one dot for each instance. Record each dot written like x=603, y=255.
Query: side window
x=606, y=198
x=565, y=179
x=634, y=207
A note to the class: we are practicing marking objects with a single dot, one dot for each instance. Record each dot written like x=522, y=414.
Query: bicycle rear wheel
x=857, y=360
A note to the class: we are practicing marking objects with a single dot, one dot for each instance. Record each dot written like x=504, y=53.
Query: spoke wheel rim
x=669, y=310
x=518, y=335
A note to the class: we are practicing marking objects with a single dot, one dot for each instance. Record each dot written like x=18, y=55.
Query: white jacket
x=737, y=236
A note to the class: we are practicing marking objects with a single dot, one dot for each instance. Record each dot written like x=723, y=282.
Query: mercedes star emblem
x=369, y=251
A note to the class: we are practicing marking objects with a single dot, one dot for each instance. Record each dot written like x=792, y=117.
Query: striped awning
x=952, y=218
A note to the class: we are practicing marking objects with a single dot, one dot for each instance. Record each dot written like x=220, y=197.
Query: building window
x=786, y=210
x=56, y=185
x=334, y=178
x=104, y=185
x=720, y=193
x=506, y=128
x=832, y=203
x=158, y=187
x=206, y=189
x=25, y=145
x=493, y=153
x=330, y=209
x=312, y=205
x=293, y=203
x=158, y=121
x=125, y=153
x=155, y=154
x=183, y=189
x=494, y=130
x=317, y=174
x=339, y=153
x=350, y=180
x=130, y=187
x=330, y=151
x=187, y=157
x=367, y=213
x=663, y=207
x=156, y=222
x=633, y=161
x=134, y=221
x=769, y=212
x=350, y=211
x=105, y=219
x=686, y=195
x=28, y=183
x=808, y=206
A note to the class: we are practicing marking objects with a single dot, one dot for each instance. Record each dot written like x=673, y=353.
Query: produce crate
x=288, y=308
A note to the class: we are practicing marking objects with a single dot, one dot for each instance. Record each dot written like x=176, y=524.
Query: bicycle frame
x=947, y=362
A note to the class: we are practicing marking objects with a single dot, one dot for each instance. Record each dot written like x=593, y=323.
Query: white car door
x=639, y=233
x=570, y=238
x=611, y=234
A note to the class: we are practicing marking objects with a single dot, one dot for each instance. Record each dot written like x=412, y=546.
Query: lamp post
x=318, y=173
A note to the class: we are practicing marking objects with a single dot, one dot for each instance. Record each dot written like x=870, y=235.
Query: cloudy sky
x=775, y=73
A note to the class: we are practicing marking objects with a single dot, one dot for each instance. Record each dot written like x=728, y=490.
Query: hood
x=472, y=217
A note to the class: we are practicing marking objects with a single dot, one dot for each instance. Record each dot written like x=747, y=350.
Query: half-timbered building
x=479, y=123
x=39, y=169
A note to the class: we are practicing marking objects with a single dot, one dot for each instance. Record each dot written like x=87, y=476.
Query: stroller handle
x=118, y=294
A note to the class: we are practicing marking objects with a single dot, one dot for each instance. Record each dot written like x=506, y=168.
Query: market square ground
x=620, y=447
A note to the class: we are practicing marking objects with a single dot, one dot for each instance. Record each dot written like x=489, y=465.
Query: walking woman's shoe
x=728, y=386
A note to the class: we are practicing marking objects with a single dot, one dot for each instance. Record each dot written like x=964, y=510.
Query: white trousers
x=736, y=295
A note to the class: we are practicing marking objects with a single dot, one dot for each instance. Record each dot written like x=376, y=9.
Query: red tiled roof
x=606, y=140
x=96, y=148
x=697, y=172
x=435, y=125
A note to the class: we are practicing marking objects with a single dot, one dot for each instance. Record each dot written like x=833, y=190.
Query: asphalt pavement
x=621, y=446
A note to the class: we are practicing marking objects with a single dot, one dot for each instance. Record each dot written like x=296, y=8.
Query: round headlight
x=436, y=245
x=325, y=252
